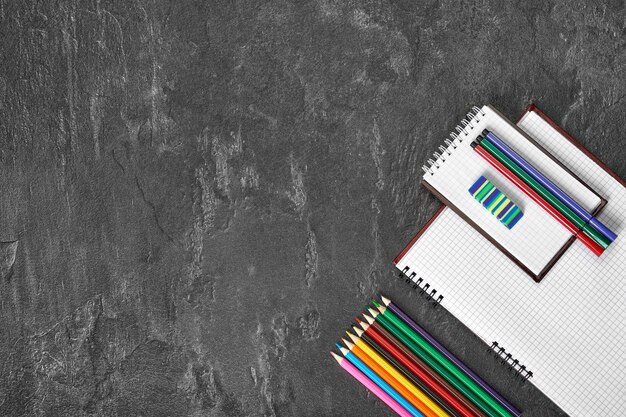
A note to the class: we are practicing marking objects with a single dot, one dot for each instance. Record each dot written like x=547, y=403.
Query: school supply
x=566, y=334
x=522, y=244
x=374, y=377
x=370, y=385
x=496, y=202
x=506, y=171
x=421, y=369
x=395, y=378
x=448, y=355
x=436, y=360
x=579, y=223
x=409, y=371
x=556, y=191
x=415, y=372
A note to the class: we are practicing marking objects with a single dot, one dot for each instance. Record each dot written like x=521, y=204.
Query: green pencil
x=392, y=322
x=547, y=195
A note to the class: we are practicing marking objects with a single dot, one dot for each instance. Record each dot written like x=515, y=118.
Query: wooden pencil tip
x=376, y=304
x=337, y=357
x=368, y=318
x=373, y=312
x=352, y=337
x=381, y=309
x=348, y=344
x=344, y=351
x=386, y=301
x=358, y=331
x=358, y=320
x=364, y=326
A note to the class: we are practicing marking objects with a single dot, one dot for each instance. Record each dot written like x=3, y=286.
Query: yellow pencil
x=395, y=374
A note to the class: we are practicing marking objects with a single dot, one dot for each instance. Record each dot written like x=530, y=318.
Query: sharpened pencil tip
x=358, y=320
x=375, y=304
x=358, y=331
x=338, y=346
x=373, y=312
x=350, y=345
x=352, y=337
x=386, y=301
x=381, y=309
x=364, y=326
x=368, y=319
x=344, y=351
x=337, y=357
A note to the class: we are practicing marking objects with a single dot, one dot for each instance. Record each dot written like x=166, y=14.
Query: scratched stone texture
x=197, y=197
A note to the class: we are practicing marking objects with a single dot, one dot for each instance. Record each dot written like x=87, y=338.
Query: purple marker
x=396, y=310
x=556, y=191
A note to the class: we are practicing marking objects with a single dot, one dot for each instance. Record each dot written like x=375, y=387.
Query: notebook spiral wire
x=419, y=283
x=453, y=141
x=508, y=359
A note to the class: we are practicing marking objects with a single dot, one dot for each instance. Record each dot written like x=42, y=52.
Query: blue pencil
x=379, y=381
x=556, y=191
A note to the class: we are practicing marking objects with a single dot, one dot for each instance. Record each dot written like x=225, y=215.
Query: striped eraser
x=496, y=202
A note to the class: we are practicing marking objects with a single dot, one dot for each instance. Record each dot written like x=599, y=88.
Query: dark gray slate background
x=202, y=195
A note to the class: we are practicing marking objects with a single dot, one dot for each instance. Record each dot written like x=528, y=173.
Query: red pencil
x=597, y=249
x=417, y=371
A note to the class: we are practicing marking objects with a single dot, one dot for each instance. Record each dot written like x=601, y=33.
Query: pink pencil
x=351, y=369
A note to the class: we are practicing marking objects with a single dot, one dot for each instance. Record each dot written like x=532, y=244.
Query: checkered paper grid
x=570, y=329
x=455, y=172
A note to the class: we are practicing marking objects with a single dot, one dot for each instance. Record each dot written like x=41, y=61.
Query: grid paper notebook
x=457, y=166
x=570, y=329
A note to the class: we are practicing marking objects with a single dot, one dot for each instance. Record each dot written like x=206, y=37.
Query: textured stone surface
x=198, y=197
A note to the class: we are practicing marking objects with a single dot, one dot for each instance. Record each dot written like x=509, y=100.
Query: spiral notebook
x=538, y=240
x=566, y=332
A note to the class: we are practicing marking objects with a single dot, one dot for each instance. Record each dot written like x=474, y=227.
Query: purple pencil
x=398, y=312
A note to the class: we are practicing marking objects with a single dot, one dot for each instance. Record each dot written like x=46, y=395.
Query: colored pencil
x=544, y=193
x=393, y=377
x=555, y=190
x=359, y=376
x=445, y=352
x=595, y=248
x=416, y=364
x=421, y=384
x=380, y=382
x=449, y=365
x=440, y=368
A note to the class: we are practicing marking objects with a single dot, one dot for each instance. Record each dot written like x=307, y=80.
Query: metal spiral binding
x=424, y=287
x=455, y=138
x=506, y=357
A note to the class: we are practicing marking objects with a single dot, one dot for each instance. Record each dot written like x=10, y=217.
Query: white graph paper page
x=456, y=170
x=570, y=329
